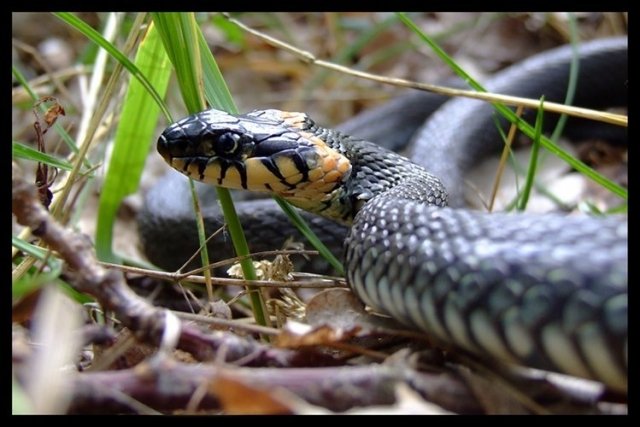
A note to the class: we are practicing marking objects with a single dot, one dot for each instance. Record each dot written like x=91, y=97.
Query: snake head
x=265, y=150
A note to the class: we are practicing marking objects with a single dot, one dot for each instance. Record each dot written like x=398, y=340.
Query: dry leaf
x=237, y=397
x=339, y=308
x=295, y=335
x=53, y=113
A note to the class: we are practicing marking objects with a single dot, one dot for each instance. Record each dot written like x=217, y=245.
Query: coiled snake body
x=546, y=291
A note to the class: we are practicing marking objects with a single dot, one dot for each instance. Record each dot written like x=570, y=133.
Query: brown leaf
x=339, y=308
x=53, y=113
x=237, y=397
x=306, y=336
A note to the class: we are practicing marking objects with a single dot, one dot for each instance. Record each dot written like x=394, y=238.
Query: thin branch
x=168, y=385
x=310, y=281
x=232, y=324
x=306, y=56
x=84, y=272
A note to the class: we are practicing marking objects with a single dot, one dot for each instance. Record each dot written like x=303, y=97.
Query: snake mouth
x=259, y=151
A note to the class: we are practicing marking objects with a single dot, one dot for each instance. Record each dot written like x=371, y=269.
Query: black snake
x=546, y=291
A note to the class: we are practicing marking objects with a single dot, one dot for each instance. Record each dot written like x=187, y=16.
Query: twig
x=170, y=385
x=232, y=324
x=147, y=322
x=321, y=282
x=308, y=57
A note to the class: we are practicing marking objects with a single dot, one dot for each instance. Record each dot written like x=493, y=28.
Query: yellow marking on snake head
x=294, y=119
x=212, y=175
x=215, y=174
x=326, y=172
x=294, y=179
x=281, y=189
x=344, y=166
x=288, y=169
x=329, y=164
x=176, y=163
x=233, y=175
x=258, y=175
x=332, y=159
x=333, y=176
x=315, y=174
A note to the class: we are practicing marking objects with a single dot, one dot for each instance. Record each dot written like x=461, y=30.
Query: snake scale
x=545, y=291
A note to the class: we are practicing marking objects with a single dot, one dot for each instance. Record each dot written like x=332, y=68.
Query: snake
x=545, y=291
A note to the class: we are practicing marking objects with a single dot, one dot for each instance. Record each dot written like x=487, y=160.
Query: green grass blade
x=441, y=53
x=28, y=283
x=33, y=250
x=533, y=162
x=592, y=209
x=231, y=32
x=310, y=235
x=178, y=35
x=178, y=32
x=215, y=88
x=23, y=151
x=97, y=38
x=133, y=138
x=195, y=66
x=351, y=50
x=522, y=125
x=570, y=96
x=574, y=71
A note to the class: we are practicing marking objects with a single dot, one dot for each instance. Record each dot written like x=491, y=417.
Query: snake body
x=546, y=291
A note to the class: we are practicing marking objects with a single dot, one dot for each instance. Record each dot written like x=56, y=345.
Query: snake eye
x=228, y=143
